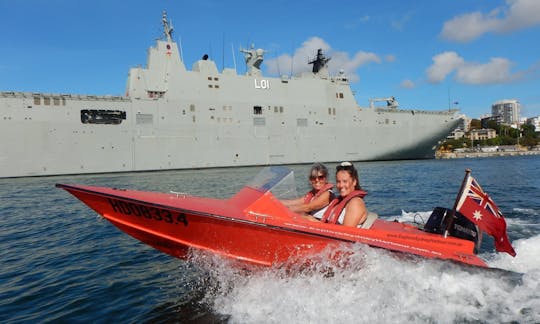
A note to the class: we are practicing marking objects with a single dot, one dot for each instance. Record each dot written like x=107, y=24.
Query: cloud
x=353, y=24
x=515, y=15
x=339, y=60
x=443, y=64
x=390, y=58
x=364, y=18
x=407, y=84
x=399, y=24
x=496, y=71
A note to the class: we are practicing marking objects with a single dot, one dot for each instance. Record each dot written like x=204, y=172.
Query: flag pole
x=450, y=218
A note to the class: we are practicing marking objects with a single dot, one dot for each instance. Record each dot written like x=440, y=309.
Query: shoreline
x=460, y=155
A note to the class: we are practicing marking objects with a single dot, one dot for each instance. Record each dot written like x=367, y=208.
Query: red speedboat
x=253, y=226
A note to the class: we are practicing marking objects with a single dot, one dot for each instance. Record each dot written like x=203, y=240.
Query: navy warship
x=174, y=118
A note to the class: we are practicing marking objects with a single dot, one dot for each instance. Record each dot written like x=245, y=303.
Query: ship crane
x=391, y=102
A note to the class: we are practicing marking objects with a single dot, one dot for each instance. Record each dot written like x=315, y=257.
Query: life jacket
x=331, y=215
x=314, y=194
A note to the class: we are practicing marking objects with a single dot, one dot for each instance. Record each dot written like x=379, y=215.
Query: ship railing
x=16, y=94
x=415, y=111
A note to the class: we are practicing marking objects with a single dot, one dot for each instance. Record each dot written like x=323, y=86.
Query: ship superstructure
x=175, y=118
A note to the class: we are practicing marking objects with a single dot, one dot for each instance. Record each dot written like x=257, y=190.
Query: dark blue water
x=63, y=263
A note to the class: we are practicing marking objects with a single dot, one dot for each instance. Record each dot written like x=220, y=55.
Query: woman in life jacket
x=349, y=208
x=314, y=202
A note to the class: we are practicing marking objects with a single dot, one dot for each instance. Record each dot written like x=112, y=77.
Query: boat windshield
x=277, y=179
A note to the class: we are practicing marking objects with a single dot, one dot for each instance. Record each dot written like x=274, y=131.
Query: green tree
x=529, y=136
x=493, y=125
x=508, y=140
x=493, y=141
x=528, y=131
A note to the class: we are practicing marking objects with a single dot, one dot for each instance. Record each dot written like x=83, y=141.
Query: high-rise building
x=535, y=121
x=508, y=110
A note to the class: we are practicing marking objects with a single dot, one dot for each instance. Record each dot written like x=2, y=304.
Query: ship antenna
x=167, y=28
x=181, y=50
x=223, y=52
x=278, y=69
x=292, y=59
x=234, y=57
x=448, y=89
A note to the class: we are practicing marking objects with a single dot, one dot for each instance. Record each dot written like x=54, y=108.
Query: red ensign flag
x=478, y=207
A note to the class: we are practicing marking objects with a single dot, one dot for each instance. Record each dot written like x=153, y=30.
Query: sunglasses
x=344, y=166
x=320, y=178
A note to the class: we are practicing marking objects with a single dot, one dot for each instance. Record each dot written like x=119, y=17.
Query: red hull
x=252, y=227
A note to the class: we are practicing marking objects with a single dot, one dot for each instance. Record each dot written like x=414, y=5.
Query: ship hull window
x=108, y=117
x=259, y=121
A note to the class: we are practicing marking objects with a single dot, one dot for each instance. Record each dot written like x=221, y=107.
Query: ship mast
x=167, y=27
x=319, y=62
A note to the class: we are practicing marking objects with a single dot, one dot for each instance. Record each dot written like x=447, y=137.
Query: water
x=63, y=263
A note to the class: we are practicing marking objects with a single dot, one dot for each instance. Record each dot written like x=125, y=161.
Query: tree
x=529, y=136
x=528, y=131
x=476, y=124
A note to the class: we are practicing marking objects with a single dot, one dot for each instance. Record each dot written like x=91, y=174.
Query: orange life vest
x=337, y=205
x=314, y=194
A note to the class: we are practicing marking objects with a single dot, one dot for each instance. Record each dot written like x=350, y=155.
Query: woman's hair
x=317, y=168
x=349, y=167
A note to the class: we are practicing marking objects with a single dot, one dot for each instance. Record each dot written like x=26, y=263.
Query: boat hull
x=252, y=227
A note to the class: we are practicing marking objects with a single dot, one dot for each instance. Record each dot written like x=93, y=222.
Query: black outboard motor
x=461, y=227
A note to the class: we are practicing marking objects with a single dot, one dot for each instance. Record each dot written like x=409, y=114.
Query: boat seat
x=371, y=217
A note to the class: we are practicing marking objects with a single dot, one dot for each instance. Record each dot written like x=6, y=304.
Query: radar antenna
x=254, y=58
x=319, y=62
x=167, y=27
x=391, y=102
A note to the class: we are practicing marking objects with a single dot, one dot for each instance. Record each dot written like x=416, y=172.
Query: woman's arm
x=293, y=202
x=322, y=201
x=355, y=212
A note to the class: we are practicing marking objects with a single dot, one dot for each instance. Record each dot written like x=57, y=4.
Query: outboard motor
x=461, y=227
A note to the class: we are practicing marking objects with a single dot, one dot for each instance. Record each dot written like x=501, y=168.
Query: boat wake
x=376, y=285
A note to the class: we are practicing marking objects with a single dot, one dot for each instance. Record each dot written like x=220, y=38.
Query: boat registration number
x=151, y=213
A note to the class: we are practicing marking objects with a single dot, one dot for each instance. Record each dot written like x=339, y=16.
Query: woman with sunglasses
x=320, y=195
x=349, y=208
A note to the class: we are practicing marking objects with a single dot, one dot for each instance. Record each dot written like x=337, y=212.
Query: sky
x=430, y=55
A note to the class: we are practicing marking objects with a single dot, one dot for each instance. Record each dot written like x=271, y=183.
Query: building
x=535, y=121
x=508, y=110
x=473, y=134
x=465, y=124
x=484, y=122
x=456, y=134
x=482, y=134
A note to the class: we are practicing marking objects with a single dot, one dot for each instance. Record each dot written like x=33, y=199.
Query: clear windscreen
x=277, y=179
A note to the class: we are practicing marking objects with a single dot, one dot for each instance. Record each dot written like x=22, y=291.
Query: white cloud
x=443, y=64
x=515, y=15
x=399, y=24
x=407, y=84
x=353, y=24
x=390, y=58
x=339, y=60
x=497, y=70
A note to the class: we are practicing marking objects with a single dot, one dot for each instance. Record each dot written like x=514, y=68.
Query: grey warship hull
x=174, y=118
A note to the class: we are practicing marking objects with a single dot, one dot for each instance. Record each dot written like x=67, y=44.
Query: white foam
x=527, y=257
x=379, y=286
x=414, y=217
x=526, y=211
